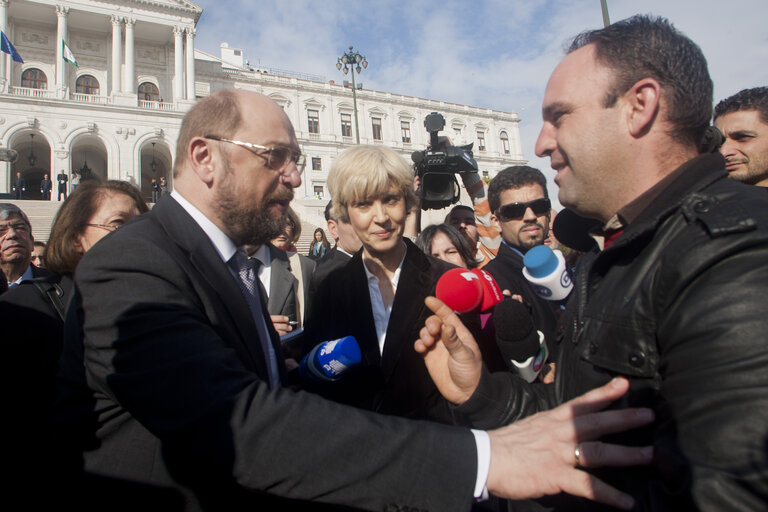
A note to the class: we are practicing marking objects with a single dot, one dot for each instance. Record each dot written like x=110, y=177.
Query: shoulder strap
x=54, y=293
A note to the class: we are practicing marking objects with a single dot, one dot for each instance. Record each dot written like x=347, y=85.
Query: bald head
x=220, y=113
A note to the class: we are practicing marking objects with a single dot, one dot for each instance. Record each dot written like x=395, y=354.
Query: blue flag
x=8, y=48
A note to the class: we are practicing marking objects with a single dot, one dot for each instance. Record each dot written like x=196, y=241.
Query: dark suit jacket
x=395, y=382
x=283, y=284
x=507, y=269
x=31, y=342
x=330, y=262
x=167, y=391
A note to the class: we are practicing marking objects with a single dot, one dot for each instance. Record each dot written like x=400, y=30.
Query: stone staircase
x=307, y=235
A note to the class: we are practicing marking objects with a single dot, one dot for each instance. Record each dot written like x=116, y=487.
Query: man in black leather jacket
x=674, y=296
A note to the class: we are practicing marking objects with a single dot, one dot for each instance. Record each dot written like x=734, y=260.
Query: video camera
x=437, y=166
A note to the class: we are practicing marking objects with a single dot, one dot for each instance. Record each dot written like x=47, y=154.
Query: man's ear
x=643, y=102
x=203, y=159
x=332, y=229
x=495, y=223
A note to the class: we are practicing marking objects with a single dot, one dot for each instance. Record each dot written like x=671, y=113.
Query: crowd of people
x=164, y=353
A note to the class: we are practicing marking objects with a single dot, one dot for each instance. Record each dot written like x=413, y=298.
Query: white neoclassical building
x=118, y=112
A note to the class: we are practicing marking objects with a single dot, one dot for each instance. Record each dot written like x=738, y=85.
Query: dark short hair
x=63, y=252
x=515, y=177
x=651, y=47
x=424, y=242
x=9, y=209
x=328, y=215
x=459, y=207
x=217, y=114
x=746, y=99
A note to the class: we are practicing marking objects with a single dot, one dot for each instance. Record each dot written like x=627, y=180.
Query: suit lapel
x=408, y=306
x=189, y=237
x=360, y=309
x=281, y=282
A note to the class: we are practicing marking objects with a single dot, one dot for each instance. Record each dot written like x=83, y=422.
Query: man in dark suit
x=286, y=302
x=19, y=186
x=171, y=372
x=346, y=244
x=62, y=180
x=16, y=245
x=45, y=188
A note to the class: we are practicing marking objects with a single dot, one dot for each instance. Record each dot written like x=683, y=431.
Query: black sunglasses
x=516, y=211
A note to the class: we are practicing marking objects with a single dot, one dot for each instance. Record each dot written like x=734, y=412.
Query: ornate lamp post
x=353, y=60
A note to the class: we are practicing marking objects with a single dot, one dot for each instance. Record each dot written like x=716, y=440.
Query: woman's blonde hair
x=368, y=172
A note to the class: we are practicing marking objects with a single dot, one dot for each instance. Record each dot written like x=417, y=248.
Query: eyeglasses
x=277, y=158
x=516, y=211
x=19, y=227
x=109, y=227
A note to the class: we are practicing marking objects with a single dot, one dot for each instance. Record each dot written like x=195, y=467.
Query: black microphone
x=521, y=345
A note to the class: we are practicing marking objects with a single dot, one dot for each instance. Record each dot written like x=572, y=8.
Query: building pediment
x=175, y=7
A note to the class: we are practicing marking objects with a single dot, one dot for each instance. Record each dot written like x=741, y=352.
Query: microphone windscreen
x=515, y=334
x=491, y=290
x=572, y=230
x=460, y=289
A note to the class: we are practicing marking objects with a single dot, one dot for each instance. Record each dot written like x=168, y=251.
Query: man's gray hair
x=9, y=209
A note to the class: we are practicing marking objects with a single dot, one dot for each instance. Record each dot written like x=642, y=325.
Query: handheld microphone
x=545, y=269
x=466, y=291
x=460, y=289
x=328, y=361
x=491, y=291
x=521, y=345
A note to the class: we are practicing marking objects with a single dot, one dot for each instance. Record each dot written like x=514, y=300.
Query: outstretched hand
x=450, y=353
x=537, y=456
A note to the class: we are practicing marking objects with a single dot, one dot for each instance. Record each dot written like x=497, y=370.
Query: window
x=480, y=141
x=148, y=92
x=376, y=122
x=87, y=84
x=504, y=142
x=405, y=131
x=346, y=125
x=313, y=118
x=34, y=79
x=318, y=189
x=317, y=164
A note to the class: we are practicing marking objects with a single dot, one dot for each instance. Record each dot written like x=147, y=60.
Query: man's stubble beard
x=530, y=244
x=249, y=223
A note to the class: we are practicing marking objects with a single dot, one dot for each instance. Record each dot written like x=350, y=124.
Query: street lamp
x=353, y=60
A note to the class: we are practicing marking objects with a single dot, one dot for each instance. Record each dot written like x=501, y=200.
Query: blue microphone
x=328, y=361
x=545, y=269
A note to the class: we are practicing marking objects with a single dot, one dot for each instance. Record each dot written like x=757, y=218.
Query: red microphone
x=491, y=290
x=460, y=289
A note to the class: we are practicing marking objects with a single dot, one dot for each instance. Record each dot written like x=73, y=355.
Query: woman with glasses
x=32, y=314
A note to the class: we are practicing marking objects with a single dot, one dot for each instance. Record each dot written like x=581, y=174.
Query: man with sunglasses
x=520, y=206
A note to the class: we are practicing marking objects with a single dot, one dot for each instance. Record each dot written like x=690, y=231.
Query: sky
x=485, y=53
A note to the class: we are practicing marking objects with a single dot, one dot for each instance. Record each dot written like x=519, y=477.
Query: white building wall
x=126, y=125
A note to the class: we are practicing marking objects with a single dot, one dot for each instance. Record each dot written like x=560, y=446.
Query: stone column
x=4, y=58
x=129, y=84
x=117, y=51
x=178, y=78
x=191, y=63
x=61, y=35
